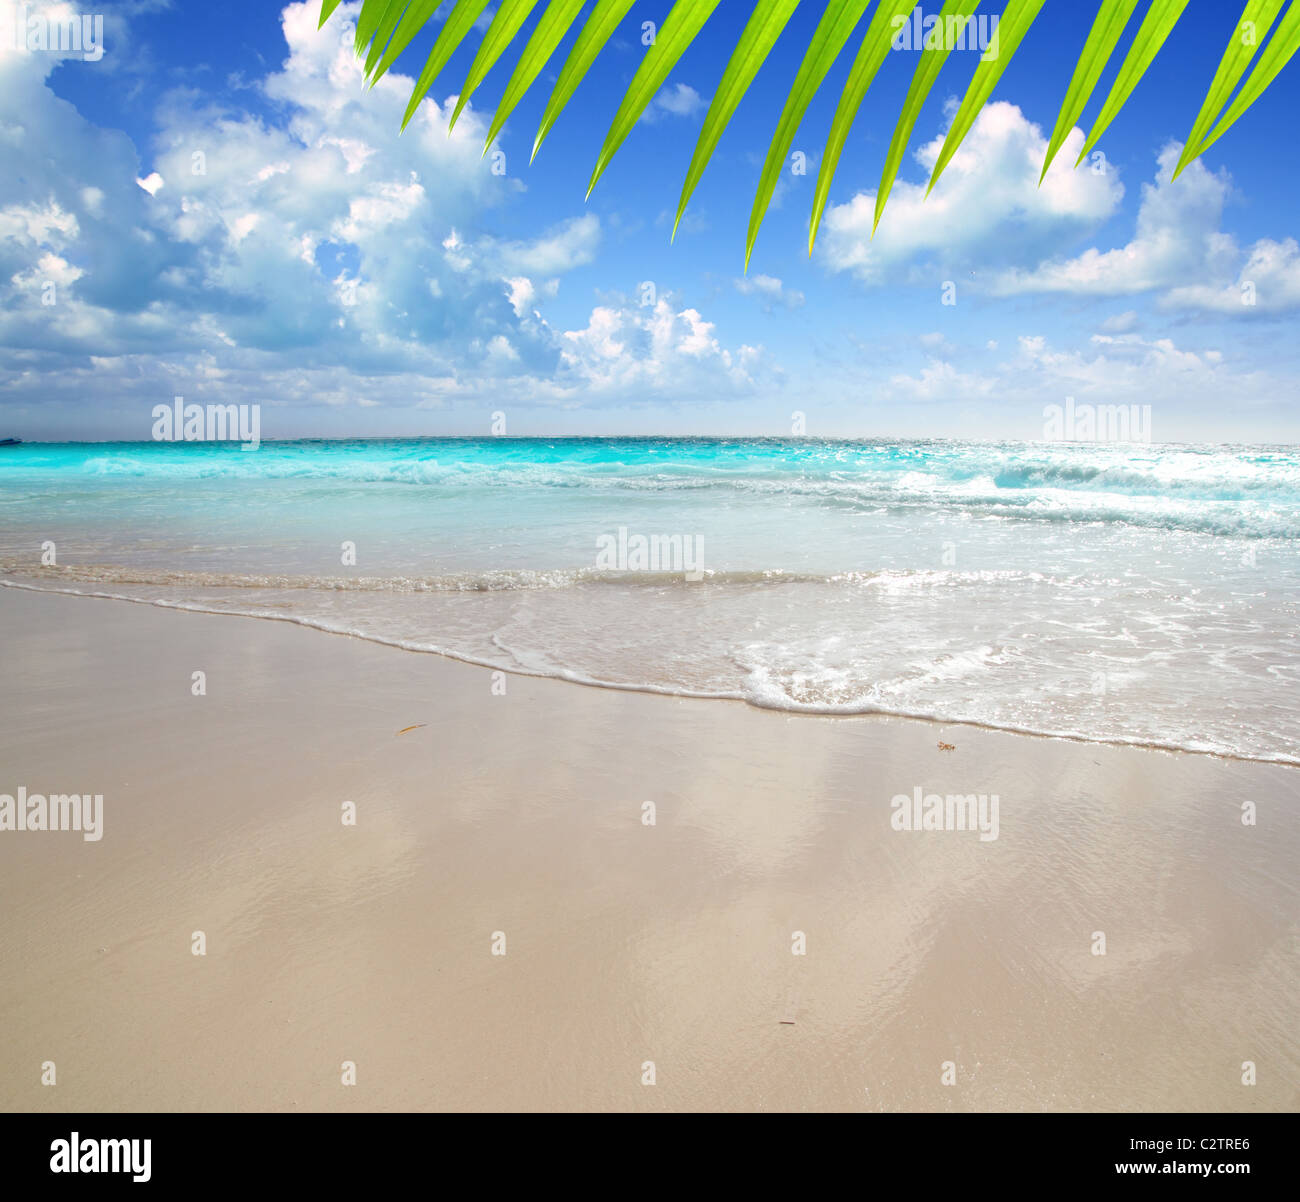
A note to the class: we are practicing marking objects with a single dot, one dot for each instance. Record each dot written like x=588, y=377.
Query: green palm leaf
x=1236, y=58
x=453, y=33
x=1111, y=20
x=372, y=17
x=828, y=40
x=327, y=8
x=685, y=20
x=765, y=26
x=875, y=45
x=395, y=33
x=1018, y=16
x=385, y=28
x=508, y=21
x=1160, y=20
x=591, y=41
x=1279, y=51
x=555, y=23
x=382, y=31
x=927, y=71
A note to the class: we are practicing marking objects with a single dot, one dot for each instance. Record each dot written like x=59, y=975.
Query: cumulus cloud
x=310, y=256
x=987, y=206
x=1177, y=236
x=559, y=250
x=660, y=348
x=988, y=217
x=1267, y=282
x=1110, y=369
x=38, y=225
x=679, y=100
x=1121, y=323
x=1179, y=252
x=771, y=291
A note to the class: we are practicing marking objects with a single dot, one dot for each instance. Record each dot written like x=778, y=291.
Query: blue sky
x=215, y=209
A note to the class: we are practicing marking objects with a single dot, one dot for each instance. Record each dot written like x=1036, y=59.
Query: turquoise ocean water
x=1134, y=593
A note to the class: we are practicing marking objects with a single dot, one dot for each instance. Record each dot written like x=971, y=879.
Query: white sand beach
x=626, y=944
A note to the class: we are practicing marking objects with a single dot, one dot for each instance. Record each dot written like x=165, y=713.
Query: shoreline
x=627, y=943
x=658, y=690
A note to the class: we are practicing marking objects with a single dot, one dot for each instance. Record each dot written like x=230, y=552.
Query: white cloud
x=570, y=244
x=50, y=267
x=1177, y=236
x=680, y=100
x=657, y=348
x=387, y=203
x=44, y=225
x=987, y=206
x=1121, y=323
x=1178, y=251
x=989, y=218
x=771, y=291
x=521, y=293
x=313, y=257
x=1110, y=369
x=1267, y=282
x=941, y=380
x=499, y=348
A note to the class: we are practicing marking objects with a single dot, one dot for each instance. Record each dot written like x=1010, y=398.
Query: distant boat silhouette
x=9, y=442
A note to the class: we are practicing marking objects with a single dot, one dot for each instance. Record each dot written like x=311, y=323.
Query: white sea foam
x=1146, y=595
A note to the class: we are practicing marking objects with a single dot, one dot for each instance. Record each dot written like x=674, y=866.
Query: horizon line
x=793, y=438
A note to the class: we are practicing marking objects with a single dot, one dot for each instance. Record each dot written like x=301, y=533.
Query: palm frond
x=828, y=40
x=1279, y=51
x=550, y=31
x=875, y=45
x=1161, y=18
x=591, y=41
x=1018, y=16
x=1259, y=16
x=507, y=22
x=459, y=23
x=760, y=35
x=396, y=30
x=927, y=71
x=1104, y=36
x=371, y=18
x=684, y=22
x=386, y=28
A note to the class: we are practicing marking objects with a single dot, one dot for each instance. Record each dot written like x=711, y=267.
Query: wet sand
x=523, y=815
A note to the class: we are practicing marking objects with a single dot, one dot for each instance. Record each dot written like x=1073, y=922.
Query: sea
x=1126, y=593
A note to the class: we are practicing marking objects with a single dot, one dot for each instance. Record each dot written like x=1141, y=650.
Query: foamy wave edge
x=767, y=703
